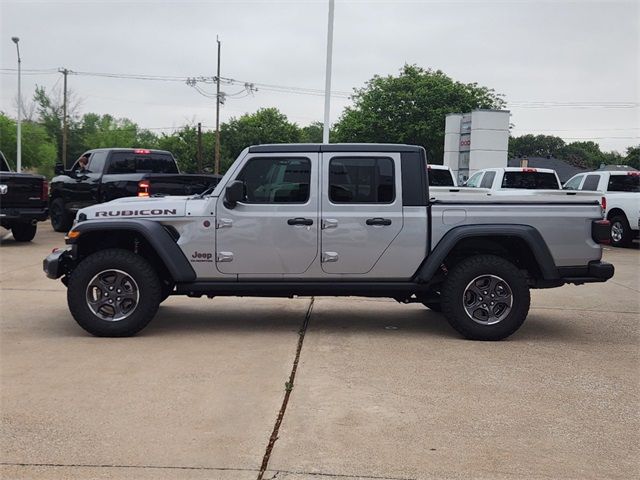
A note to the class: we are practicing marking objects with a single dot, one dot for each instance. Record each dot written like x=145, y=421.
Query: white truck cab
x=515, y=178
x=620, y=190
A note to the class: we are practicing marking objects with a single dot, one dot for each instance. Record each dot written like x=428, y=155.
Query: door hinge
x=328, y=257
x=224, y=223
x=222, y=257
x=329, y=223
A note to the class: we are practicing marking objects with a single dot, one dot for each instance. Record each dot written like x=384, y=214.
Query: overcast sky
x=556, y=52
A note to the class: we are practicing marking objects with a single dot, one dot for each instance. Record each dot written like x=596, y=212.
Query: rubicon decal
x=202, y=257
x=137, y=213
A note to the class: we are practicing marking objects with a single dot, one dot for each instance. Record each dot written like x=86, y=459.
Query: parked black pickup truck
x=23, y=201
x=119, y=172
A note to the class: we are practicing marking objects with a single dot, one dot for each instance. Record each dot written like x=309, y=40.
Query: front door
x=274, y=230
x=361, y=210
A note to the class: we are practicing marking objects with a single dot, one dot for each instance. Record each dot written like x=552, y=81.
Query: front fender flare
x=154, y=233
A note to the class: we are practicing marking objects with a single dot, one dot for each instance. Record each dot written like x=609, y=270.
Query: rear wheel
x=113, y=293
x=620, y=231
x=61, y=220
x=23, y=232
x=485, y=297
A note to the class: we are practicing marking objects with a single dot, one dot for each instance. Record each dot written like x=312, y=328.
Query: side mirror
x=58, y=169
x=233, y=194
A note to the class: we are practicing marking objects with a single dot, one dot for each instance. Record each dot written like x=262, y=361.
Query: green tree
x=633, y=157
x=267, y=125
x=410, y=108
x=183, y=144
x=312, y=133
x=38, y=149
x=583, y=154
x=105, y=131
x=535, y=146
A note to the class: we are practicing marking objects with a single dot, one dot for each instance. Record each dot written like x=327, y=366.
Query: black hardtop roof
x=118, y=149
x=333, y=147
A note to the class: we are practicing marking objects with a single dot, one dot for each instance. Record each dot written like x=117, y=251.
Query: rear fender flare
x=529, y=234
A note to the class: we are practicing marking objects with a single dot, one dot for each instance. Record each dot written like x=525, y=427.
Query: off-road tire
x=456, y=282
x=23, y=232
x=136, y=267
x=627, y=237
x=435, y=306
x=61, y=220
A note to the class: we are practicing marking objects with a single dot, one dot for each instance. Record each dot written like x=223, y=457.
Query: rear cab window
x=132, y=162
x=624, y=183
x=439, y=178
x=487, y=180
x=530, y=180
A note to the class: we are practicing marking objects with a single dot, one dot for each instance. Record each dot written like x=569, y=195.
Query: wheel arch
x=150, y=239
x=614, y=212
x=523, y=245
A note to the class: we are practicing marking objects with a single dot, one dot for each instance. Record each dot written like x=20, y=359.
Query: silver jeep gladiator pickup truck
x=330, y=220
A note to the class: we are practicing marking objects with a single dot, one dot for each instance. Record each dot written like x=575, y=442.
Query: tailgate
x=182, y=184
x=22, y=191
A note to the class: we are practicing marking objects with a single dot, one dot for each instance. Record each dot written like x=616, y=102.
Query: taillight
x=44, y=192
x=601, y=231
x=142, y=151
x=603, y=202
x=143, y=188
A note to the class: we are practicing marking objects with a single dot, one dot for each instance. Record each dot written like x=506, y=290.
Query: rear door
x=361, y=209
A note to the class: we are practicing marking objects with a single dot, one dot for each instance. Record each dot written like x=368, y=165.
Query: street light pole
x=19, y=134
x=327, y=87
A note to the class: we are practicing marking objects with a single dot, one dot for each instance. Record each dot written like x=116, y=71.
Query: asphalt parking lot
x=381, y=390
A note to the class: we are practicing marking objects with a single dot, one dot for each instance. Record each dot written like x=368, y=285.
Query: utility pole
x=199, y=157
x=217, y=158
x=64, y=71
x=16, y=40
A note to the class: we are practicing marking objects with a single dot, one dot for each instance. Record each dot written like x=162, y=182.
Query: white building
x=476, y=140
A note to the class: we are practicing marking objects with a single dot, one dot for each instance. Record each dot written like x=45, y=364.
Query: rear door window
x=96, y=163
x=131, y=162
x=530, y=180
x=487, y=180
x=361, y=180
x=591, y=182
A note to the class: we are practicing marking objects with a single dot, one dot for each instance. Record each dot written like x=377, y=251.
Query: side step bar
x=289, y=289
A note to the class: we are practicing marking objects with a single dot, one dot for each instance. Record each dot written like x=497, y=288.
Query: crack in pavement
x=288, y=388
x=108, y=465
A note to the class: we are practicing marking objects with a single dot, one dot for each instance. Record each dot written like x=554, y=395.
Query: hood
x=137, y=207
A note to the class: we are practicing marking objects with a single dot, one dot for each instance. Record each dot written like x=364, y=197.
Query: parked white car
x=620, y=191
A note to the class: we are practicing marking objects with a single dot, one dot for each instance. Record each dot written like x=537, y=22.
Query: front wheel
x=61, y=220
x=485, y=297
x=23, y=232
x=113, y=293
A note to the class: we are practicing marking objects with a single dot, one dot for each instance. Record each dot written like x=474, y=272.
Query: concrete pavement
x=382, y=390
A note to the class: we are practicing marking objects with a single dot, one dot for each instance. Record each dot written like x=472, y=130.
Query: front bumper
x=596, y=271
x=59, y=262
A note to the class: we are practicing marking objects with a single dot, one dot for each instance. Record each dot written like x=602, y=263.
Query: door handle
x=379, y=221
x=300, y=221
